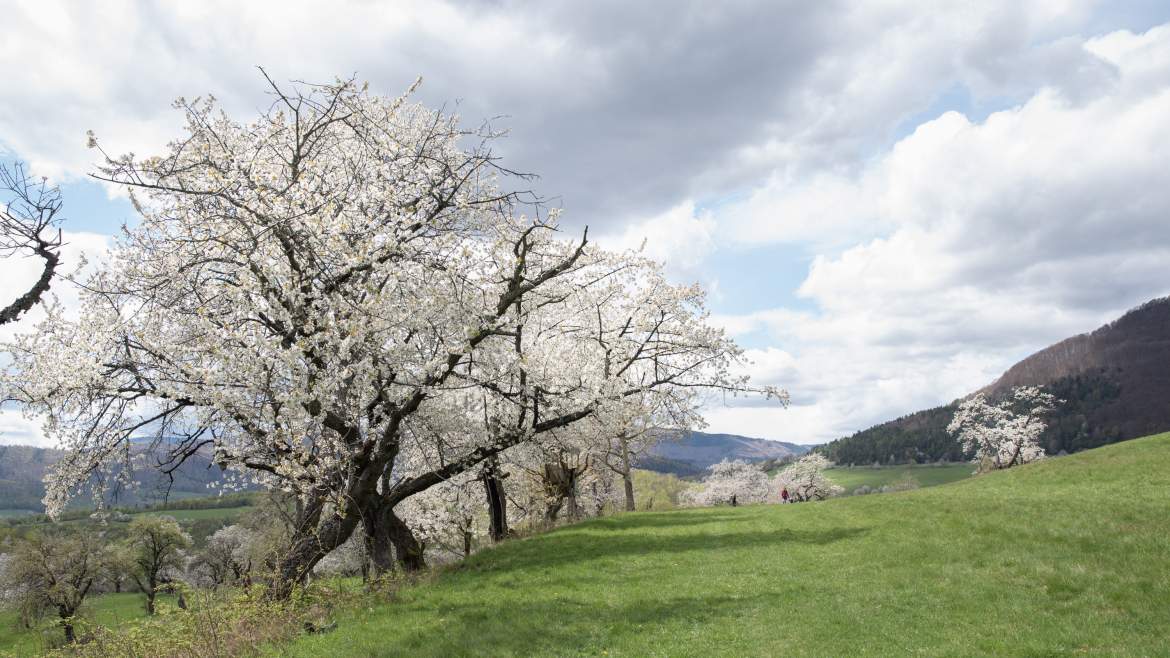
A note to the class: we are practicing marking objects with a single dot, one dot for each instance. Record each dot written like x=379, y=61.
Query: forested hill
x=693, y=452
x=1115, y=382
x=23, y=467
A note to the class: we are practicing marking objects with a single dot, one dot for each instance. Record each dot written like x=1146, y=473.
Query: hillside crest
x=1115, y=382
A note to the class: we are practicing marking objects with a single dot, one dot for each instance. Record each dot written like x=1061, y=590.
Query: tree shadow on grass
x=681, y=518
x=557, y=549
x=546, y=626
x=564, y=593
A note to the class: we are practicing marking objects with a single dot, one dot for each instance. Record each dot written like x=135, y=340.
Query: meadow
x=924, y=475
x=1065, y=556
x=110, y=610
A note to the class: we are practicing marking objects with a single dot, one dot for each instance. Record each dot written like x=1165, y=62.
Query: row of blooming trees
x=337, y=301
x=999, y=435
x=741, y=482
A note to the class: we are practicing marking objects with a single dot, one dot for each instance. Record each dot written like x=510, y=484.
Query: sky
x=888, y=202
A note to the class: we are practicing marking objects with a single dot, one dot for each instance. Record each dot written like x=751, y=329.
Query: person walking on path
x=784, y=495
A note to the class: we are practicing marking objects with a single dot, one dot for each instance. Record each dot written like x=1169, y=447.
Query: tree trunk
x=308, y=547
x=390, y=540
x=497, y=503
x=560, y=485
x=67, y=623
x=553, y=510
x=627, y=478
x=407, y=549
x=150, y=594
x=378, y=546
x=466, y=543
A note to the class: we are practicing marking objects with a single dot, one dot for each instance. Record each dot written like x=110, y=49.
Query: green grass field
x=1069, y=556
x=107, y=610
x=226, y=514
x=1065, y=557
x=876, y=478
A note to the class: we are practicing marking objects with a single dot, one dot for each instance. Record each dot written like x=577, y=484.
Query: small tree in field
x=1005, y=434
x=54, y=572
x=640, y=425
x=805, y=479
x=730, y=482
x=226, y=559
x=156, y=544
x=116, y=570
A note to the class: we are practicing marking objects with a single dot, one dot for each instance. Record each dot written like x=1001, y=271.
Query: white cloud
x=1002, y=236
x=115, y=68
x=17, y=430
x=19, y=273
x=941, y=258
x=682, y=238
x=625, y=109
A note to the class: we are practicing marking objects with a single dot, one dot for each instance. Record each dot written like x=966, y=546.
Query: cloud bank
x=941, y=189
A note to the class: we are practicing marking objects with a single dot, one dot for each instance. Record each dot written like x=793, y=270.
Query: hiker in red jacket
x=784, y=495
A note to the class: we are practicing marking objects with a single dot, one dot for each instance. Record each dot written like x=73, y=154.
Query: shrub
x=223, y=624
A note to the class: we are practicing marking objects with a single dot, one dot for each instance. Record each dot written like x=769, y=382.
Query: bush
x=225, y=624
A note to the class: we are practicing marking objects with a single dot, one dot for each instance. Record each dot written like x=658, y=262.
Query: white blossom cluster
x=805, y=480
x=443, y=514
x=1005, y=434
x=349, y=559
x=743, y=480
x=227, y=557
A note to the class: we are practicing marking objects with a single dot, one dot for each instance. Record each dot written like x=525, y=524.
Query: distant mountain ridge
x=694, y=452
x=1115, y=382
x=22, y=469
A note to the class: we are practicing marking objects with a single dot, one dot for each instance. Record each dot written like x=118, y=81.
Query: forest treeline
x=1114, y=384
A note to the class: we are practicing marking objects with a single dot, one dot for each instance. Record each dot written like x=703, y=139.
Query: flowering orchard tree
x=226, y=559
x=744, y=481
x=336, y=300
x=1005, y=434
x=29, y=216
x=447, y=516
x=53, y=573
x=805, y=479
x=636, y=427
x=155, y=545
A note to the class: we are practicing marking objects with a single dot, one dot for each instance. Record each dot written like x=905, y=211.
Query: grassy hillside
x=1067, y=556
x=876, y=478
